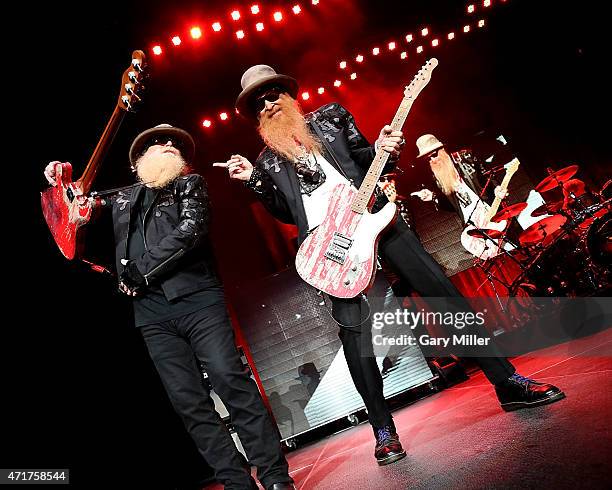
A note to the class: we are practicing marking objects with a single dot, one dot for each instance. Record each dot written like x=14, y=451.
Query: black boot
x=388, y=446
x=519, y=392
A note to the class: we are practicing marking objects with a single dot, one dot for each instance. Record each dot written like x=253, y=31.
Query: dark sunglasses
x=271, y=95
x=162, y=141
x=433, y=154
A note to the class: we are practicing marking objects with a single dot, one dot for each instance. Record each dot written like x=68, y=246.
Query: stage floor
x=460, y=437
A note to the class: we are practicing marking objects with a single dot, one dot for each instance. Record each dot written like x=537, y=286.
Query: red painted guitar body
x=339, y=256
x=65, y=209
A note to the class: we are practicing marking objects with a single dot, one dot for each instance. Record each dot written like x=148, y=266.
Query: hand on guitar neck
x=500, y=192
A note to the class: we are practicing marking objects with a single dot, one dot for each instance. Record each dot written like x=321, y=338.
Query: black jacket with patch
x=178, y=256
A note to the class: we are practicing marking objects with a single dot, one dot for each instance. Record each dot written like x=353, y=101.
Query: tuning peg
x=136, y=63
x=133, y=77
x=129, y=88
x=126, y=102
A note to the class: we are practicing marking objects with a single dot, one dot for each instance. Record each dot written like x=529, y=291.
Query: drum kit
x=568, y=251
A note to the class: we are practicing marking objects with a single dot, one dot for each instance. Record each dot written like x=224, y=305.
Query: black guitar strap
x=321, y=136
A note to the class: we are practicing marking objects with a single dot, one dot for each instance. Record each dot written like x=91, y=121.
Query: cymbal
x=486, y=233
x=547, y=208
x=555, y=178
x=542, y=229
x=509, y=211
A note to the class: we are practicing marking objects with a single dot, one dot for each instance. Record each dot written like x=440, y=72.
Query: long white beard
x=159, y=170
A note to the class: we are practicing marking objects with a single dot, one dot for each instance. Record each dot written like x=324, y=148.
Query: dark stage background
x=79, y=391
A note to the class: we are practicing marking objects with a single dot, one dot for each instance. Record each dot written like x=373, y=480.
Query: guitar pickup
x=338, y=248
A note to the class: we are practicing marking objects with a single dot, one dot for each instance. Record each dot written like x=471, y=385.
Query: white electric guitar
x=484, y=247
x=339, y=256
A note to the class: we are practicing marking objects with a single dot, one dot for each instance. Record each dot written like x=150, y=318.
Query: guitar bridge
x=338, y=248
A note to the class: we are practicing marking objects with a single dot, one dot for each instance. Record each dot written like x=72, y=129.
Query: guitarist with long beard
x=304, y=158
x=459, y=188
x=165, y=263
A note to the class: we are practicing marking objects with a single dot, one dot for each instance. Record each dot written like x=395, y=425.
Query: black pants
x=405, y=255
x=207, y=334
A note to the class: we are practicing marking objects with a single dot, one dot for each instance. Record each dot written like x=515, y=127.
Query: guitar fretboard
x=513, y=166
x=362, y=199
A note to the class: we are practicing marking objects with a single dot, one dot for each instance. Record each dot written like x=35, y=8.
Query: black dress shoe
x=281, y=486
x=519, y=392
x=388, y=446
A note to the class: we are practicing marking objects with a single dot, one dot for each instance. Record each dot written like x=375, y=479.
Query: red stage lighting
x=196, y=32
x=375, y=51
x=176, y=40
x=470, y=8
x=466, y=28
x=315, y=2
x=486, y=3
x=435, y=42
x=259, y=26
x=481, y=23
x=255, y=9
x=240, y=34
x=223, y=116
x=216, y=26
x=337, y=83
x=404, y=55
x=206, y=123
x=424, y=31
x=235, y=15
x=409, y=38
x=451, y=35
x=321, y=90
x=305, y=95
x=278, y=16
x=419, y=49
x=359, y=58
x=391, y=46
x=353, y=76
x=342, y=65
x=296, y=9
x=157, y=50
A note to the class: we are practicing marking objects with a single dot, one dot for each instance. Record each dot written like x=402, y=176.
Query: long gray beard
x=158, y=171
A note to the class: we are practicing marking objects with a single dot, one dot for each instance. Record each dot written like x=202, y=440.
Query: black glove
x=131, y=275
x=131, y=280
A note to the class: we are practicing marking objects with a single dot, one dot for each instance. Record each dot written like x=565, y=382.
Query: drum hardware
x=547, y=208
x=509, y=212
x=555, y=179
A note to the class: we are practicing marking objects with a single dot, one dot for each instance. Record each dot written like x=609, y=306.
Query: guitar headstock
x=421, y=79
x=388, y=187
x=512, y=166
x=131, y=82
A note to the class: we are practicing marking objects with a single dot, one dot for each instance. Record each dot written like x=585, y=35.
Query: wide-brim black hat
x=140, y=142
x=257, y=78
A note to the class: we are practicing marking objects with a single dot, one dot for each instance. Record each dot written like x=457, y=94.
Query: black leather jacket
x=178, y=255
x=274, y=179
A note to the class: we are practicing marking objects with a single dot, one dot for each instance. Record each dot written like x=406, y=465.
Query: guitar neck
x=380, y=160
x=89, y=174
x=504, y=186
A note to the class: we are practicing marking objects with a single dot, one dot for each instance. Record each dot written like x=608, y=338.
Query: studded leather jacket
x=178, y=256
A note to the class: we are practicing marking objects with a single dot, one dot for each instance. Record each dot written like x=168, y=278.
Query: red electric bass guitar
x=339, y=256
x=65, y=206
